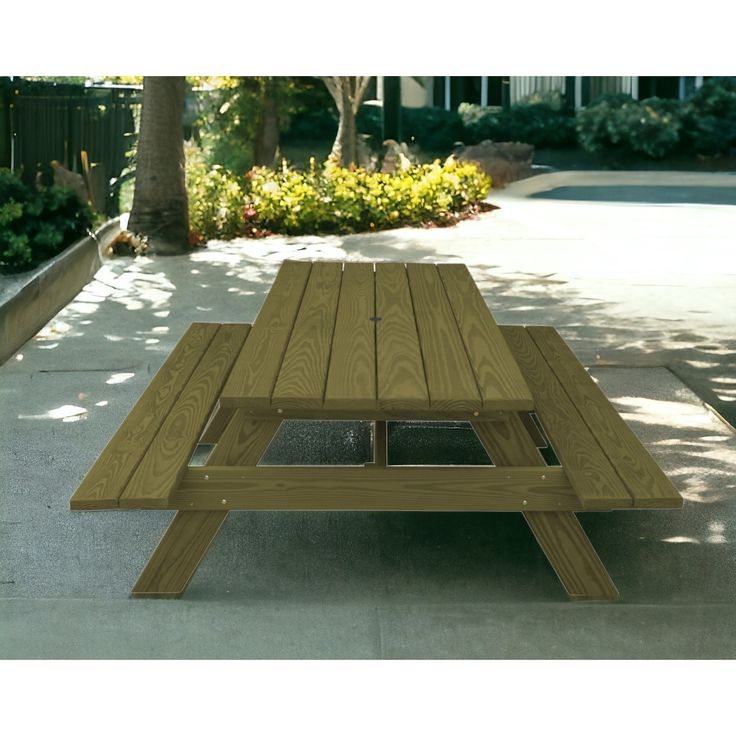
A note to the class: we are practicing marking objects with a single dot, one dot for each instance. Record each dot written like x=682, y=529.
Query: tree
x=347, y=92
x=160, y=211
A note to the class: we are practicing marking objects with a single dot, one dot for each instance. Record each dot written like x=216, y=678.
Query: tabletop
x=346, y=339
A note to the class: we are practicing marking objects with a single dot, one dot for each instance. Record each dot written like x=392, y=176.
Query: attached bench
x=383, y=343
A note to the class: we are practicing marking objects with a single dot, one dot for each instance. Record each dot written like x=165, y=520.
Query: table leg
x=185, y=542
x=558, y=533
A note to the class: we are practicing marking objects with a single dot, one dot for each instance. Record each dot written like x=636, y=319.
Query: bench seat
x=142, y=464
x=606, y=464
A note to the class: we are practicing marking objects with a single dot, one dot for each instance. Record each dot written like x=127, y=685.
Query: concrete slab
x=392, y=585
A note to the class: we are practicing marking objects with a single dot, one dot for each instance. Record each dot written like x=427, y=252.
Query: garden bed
x=28, y=300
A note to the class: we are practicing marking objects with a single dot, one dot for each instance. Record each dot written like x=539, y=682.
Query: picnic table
x=377, y=342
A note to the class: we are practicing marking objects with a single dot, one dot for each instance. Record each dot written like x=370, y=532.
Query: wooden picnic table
x=378, y=342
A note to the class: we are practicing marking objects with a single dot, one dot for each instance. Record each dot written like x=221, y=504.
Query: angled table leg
x=558, y=533
x=185, y=542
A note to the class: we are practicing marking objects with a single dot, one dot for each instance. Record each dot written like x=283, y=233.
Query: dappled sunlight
x=116, y=378
x=67, y=413
x=654, y=411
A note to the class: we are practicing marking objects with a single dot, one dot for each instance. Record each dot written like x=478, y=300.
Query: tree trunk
x=160, y=211
x=347, y=92
x=267, y=135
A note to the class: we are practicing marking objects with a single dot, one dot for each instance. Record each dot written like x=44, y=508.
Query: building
x=449, y=92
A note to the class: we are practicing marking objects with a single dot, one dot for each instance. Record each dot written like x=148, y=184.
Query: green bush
x=337, y=200
x=35, y=225
x=709, y=118
x=431, y=128
x=542, y=124
x=216, y=202
x=618, y=123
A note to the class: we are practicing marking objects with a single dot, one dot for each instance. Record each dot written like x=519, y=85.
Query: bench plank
x=450, y=378
x=303, y=375
x=257, y=367
x=399, y=370
x=351, y=380
x=105, y=481
x=594, y=479
x=644, y=479
x=497, y=375
x=164, y=463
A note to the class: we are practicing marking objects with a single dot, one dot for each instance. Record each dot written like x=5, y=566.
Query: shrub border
x=50, y=287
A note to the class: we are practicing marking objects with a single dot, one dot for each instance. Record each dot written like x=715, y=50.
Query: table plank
x=255, y=371
x=498, y=377
x=592, y=476
x=644, y=479
x=165, y=461
x=450, y=378
x=351, y=379
x=399, y=367
x=303, y=374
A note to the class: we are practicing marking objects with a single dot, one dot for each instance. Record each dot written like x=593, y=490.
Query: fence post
x=392, y=108
x=6, y=141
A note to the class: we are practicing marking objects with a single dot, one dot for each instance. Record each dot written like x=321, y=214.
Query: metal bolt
x=544, y=477
x=224, y=501
x=279, y=411
x=476, y=413
x=206, y=477
x=524, y=502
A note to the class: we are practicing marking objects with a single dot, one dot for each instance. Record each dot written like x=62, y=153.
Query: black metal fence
x=41, y=122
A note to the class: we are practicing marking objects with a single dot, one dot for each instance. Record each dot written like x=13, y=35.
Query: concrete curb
x=50, y=287
x=545, y=182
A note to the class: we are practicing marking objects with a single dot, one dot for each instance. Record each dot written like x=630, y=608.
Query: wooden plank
x=256, y=369
x=216, y=425
x=303, y=374
x=380, y=445
x=162, y=466
x=351, y=378
x=558, y=533
x=401, y=383
x=450, y=380
x=389, y=489
x=105, y=481
x=498, y=377
x=183, y=546
x=178, y=554
x=372, y=414
x=644, y=479
x=592, y=476
x=572, y=555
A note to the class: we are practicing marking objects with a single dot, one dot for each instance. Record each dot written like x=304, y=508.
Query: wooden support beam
x=396, y=488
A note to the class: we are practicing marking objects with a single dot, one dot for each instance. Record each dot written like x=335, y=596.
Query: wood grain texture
x=400, y=370
x=178, y=554
x=450, y=380
x=216, y=425
x=498, y=377
x=303, y=374
x=105, y=481
x=594, y=479
x=254, y=374
x=644, y=479
x=572, y=556
x=351, y=378
x=389, y=489
x=183, y=546
x=158, y=473
x=558, y=533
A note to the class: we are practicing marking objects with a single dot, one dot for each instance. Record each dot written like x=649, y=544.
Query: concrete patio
x=643, y=291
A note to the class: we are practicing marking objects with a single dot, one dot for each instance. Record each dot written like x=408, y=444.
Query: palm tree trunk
x=347, y=92
x=160, y=211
